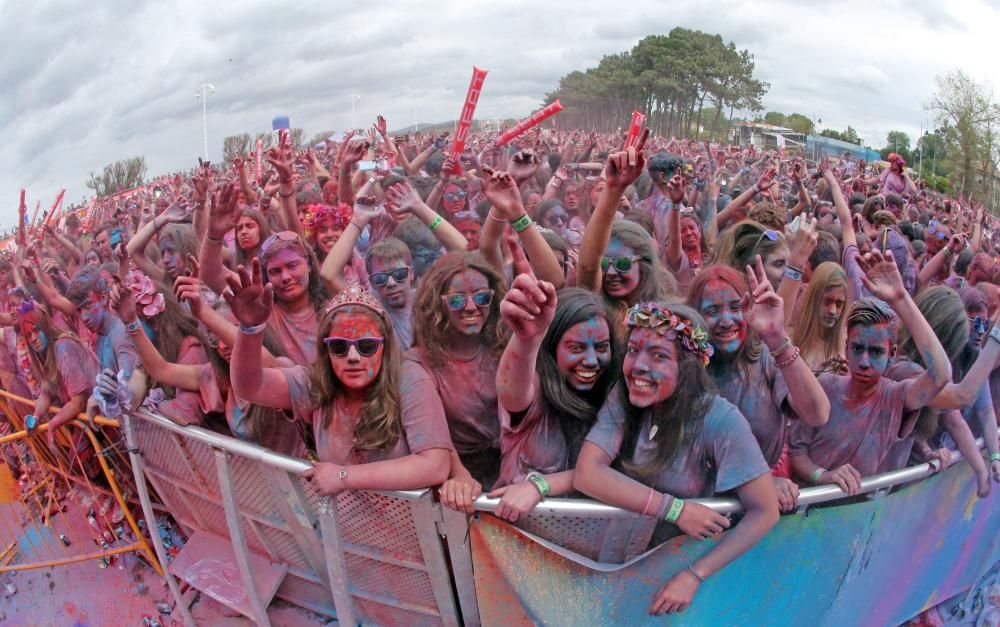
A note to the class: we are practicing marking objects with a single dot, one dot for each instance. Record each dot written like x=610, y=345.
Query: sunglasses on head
x=340, y=346
x=980, y=324
x=621, y=264
x=378, y=279
x=455, y=302
x=769, y=234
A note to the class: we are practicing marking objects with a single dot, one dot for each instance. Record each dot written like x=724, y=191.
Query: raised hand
x=353, y=153
x=881, y=276
x=223, y=213
x=802, y=241
x=763, y=309
x=523, y=165
x=402, y=198
x=502, y=192
x=765, y=180
x=281, y=161
x=249, y=299
x=366, y=208
x=448, y=169
x=529, y=305
x=188, y=290
x=381, y=126
x=625, y=166
x=177, y=212
x=676, y=188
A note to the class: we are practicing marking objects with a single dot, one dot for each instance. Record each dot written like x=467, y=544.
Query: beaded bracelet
x=791, y=358
x=785, y=345
x=133, y=327
x=254, y=330
x=814, y=478
x=521, y=223
x=675, y=511
x=435, y=223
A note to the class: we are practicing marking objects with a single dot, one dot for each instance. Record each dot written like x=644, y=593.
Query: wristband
x=785, y=345
x=814, y=478
x=756, y=188
x=521, y=223
x=540, y=483
x=696, y=575
x=675, y=511
x=649, y=501
x=214, y=240
x=254, y=330
x=493, y=217
x=435, y=223
x=995, y=334
x=793, y=274
x=133, y=327
x=948, y=252
x=288, y=195
x=994, y=457
x=665, y=504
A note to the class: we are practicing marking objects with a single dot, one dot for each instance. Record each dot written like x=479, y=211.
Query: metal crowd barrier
x=66, y=504
x=362, y=557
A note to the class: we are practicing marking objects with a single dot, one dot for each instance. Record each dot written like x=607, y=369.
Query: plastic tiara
x=357, y=296
x=668, y=324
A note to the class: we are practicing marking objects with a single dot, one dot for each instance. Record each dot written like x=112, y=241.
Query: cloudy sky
x=91, y=83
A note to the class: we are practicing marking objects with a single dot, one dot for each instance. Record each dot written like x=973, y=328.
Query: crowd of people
x=561, y=316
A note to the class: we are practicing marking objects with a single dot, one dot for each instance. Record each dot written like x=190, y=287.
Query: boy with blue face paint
x=870, y=413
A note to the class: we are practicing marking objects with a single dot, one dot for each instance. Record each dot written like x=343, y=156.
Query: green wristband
x=539, y=482
x=521, y=223
x=994, y=457
x=814, y=478
x=675, y=510
x=435, y=223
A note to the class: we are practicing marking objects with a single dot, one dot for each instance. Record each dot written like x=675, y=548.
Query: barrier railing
x=64, y=504
x=255, y=529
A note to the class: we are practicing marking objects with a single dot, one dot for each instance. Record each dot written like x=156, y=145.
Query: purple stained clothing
x=860, y=432
x=186, y=405
x=402, y=325
x=721, y=456
x=892, y=183
x=468, y=393
x=280, y=434
x=535, y=444
x=115, y=350
x=855, y=288
x=78, y=368
x=899, y=453
x=761, y=395
x=422, y=417
x=296, y=332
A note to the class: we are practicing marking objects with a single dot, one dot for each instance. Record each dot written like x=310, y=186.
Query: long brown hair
x=678, y=419
x=379, y=426
x=45, y=365
x=810, y=330
x=430, y=316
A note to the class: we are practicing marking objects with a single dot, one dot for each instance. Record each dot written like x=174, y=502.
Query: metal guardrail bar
x=556, y=506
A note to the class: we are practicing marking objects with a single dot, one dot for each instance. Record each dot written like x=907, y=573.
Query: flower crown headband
x=668, y=324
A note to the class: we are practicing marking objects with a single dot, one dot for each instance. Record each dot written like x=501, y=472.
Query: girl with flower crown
x=755, y=365
x=378, y=424
x=672, y=437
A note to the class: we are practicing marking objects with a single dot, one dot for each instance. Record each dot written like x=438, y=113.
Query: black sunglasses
x=340, y=346
x=378, y=279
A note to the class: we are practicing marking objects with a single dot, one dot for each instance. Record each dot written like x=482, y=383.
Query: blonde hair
x=809, y=331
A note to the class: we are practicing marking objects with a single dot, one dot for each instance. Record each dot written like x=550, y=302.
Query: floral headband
x=895, y=158
x=673, y=327
x=146, y=295
x=316, y=213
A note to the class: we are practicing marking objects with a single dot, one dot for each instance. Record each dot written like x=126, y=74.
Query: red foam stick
x=260, y=151
x=34, y=215
x=55, y=207
x=21, y=211
x=529, y=122
x=468, y=111
x=634, y=129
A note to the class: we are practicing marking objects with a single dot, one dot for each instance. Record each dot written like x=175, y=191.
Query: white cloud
x=90, y=84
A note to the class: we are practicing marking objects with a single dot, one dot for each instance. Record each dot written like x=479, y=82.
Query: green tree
x=775, y=118
x=118, y=176
x=966, y=110
x=800, y=124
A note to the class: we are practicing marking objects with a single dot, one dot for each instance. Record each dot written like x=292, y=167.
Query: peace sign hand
x=763, y=309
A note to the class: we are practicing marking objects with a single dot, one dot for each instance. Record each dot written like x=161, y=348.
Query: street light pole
x=354, y=120
x=202, y=93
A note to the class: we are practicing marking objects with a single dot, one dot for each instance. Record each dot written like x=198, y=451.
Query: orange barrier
x=69, y=503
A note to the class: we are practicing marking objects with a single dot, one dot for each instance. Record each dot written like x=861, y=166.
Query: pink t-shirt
x=422, y=417
x=297, y=333
x=77, y=367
